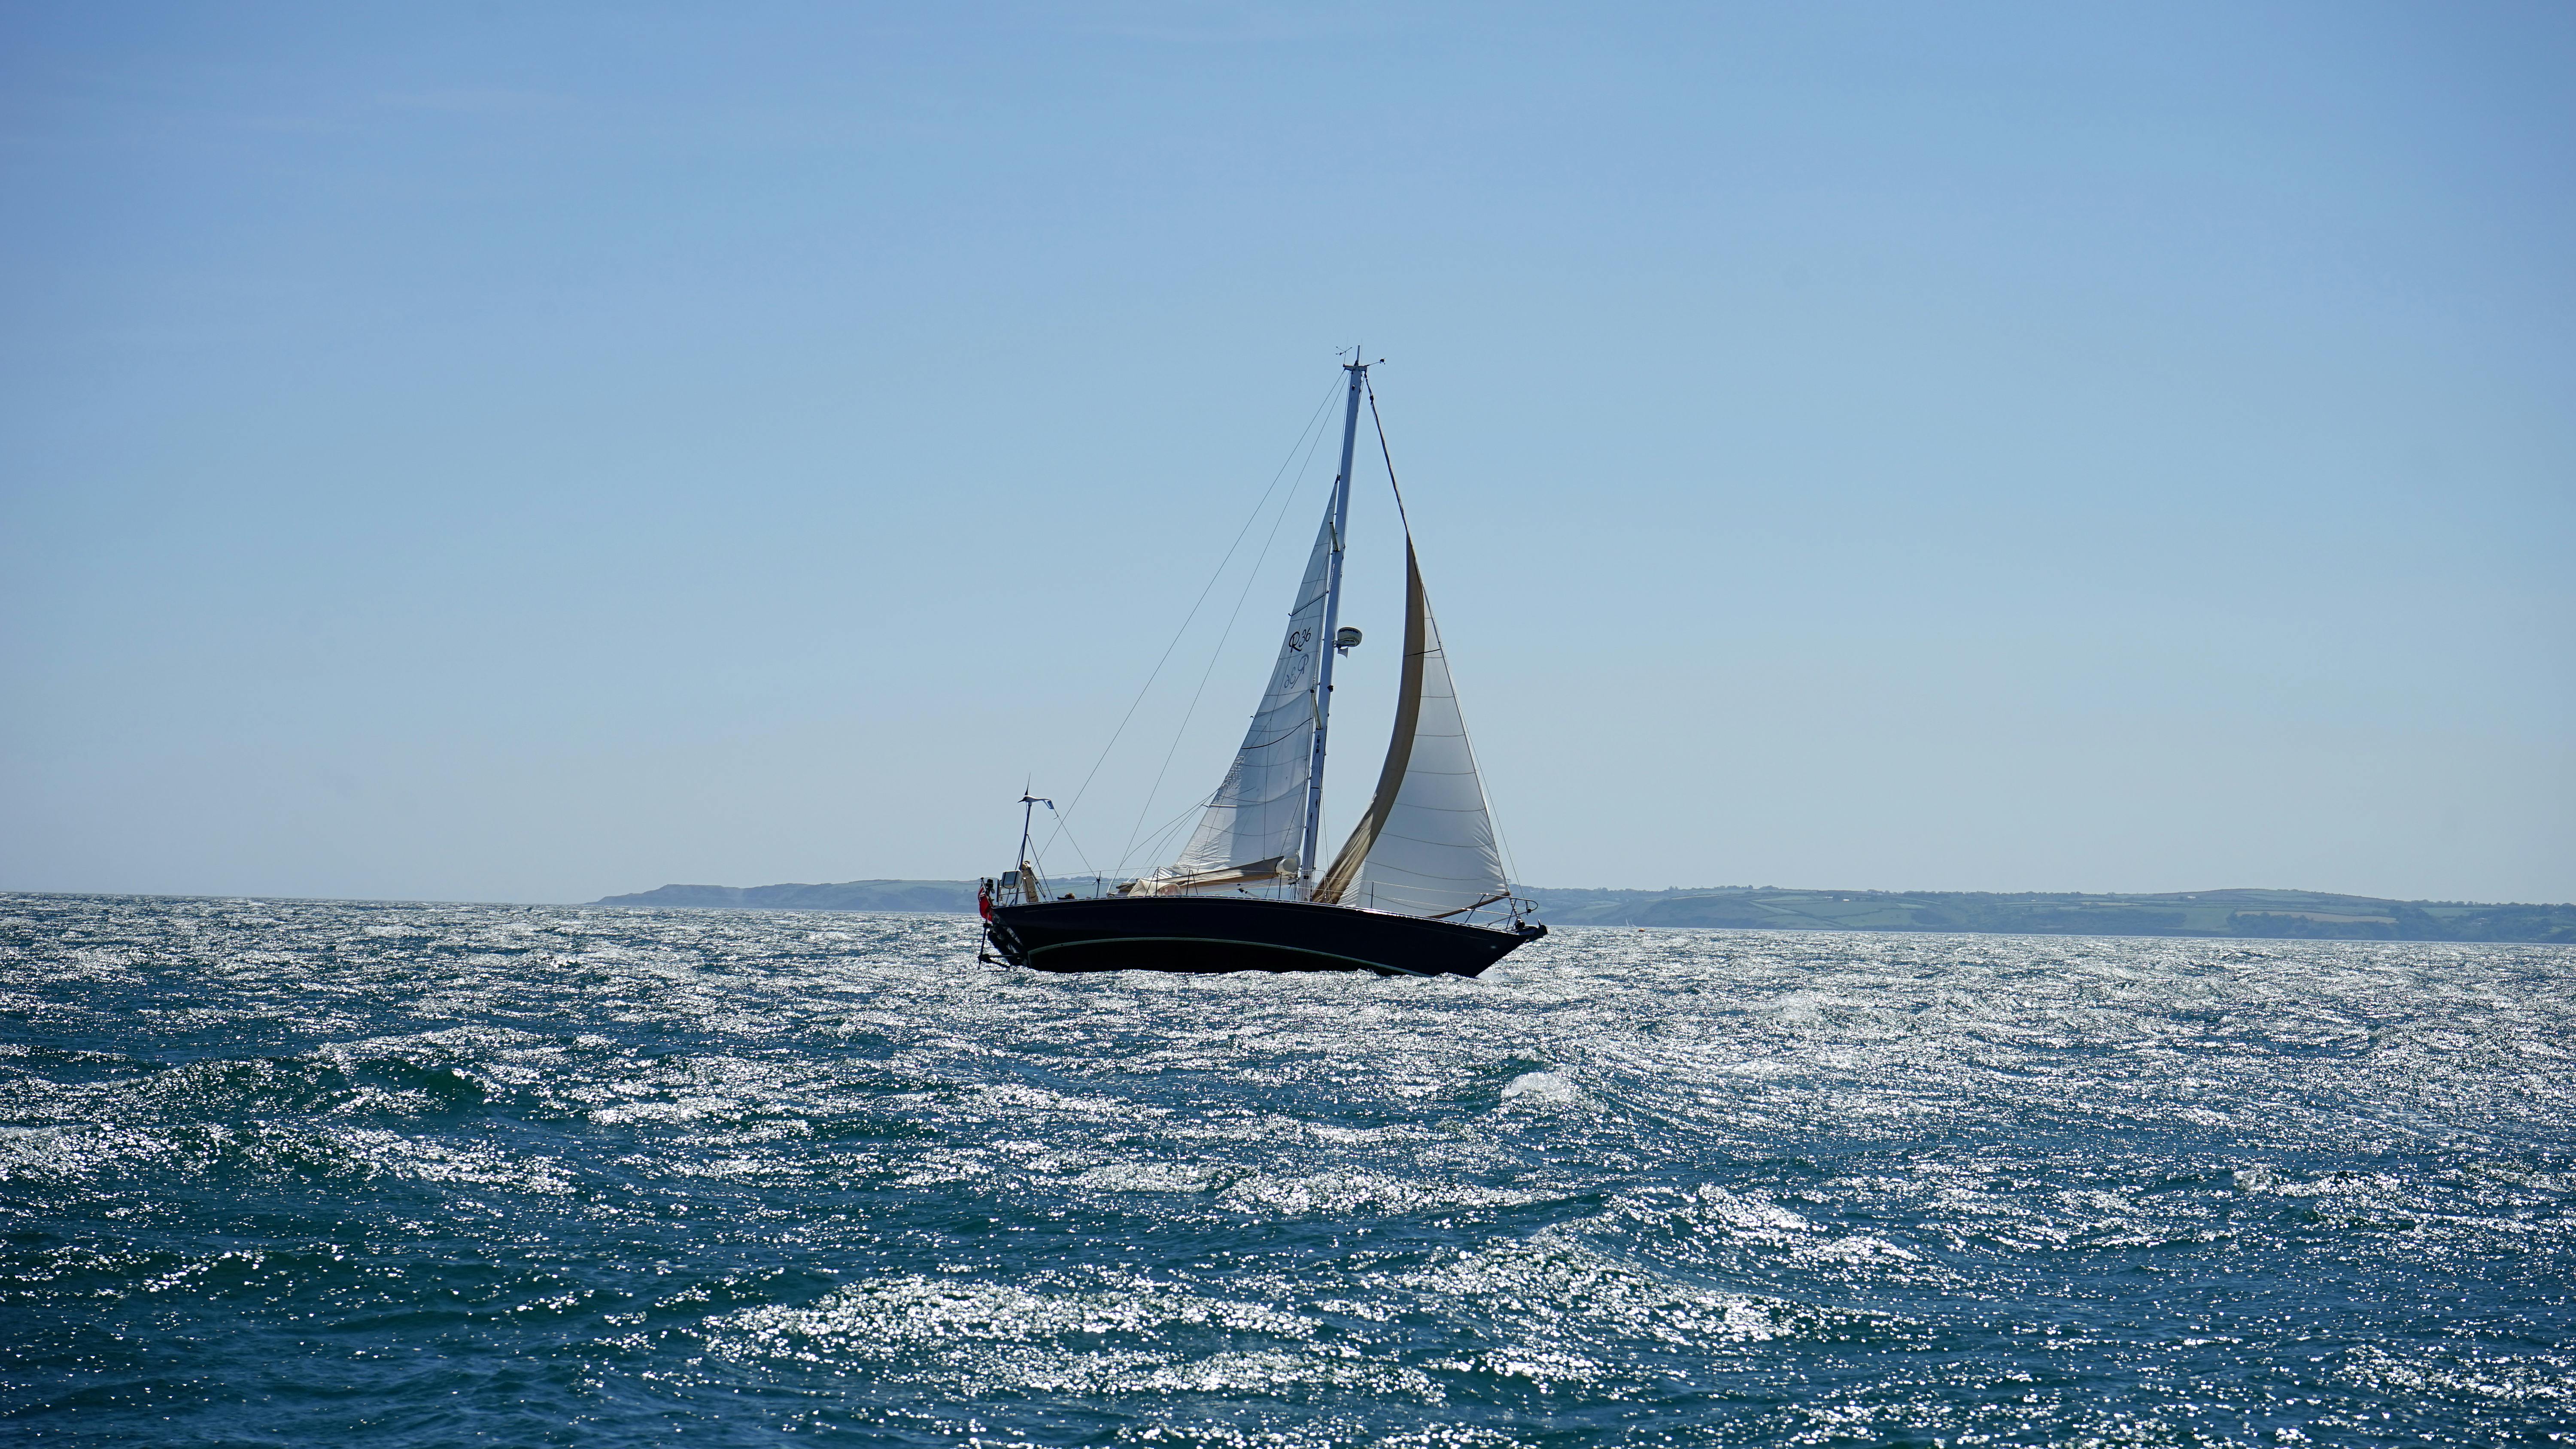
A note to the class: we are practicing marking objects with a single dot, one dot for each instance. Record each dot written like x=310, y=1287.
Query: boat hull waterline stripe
x=1037, y=951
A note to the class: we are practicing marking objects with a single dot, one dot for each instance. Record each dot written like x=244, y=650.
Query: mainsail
x=1252, y=824
x=1425, y=846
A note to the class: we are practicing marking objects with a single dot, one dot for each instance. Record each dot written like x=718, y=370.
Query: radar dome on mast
x=1346, y=640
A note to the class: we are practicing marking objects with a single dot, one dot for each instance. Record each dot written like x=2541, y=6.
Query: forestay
x=1425, y=846
x=1252, y=825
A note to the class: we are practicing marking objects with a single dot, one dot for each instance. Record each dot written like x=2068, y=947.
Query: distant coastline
x=2259, y=914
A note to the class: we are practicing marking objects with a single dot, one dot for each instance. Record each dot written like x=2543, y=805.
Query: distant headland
x=2269, y=914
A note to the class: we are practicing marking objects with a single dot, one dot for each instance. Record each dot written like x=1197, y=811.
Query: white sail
x=1253, y=822
x=1425, y=846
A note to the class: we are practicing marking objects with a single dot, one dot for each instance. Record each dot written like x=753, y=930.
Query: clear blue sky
x=511, y=452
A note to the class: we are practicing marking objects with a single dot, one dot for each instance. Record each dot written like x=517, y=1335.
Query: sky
x=494, y=452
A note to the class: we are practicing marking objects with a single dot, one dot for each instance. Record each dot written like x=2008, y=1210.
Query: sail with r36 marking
x=1253, y=822
x=1425, y=846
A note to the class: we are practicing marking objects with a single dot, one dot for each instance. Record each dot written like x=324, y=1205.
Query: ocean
x=303, y=1173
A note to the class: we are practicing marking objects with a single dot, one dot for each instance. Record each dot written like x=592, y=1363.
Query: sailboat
x=1418, y=888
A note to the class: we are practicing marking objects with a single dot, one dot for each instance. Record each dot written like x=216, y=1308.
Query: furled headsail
x=1425, y=846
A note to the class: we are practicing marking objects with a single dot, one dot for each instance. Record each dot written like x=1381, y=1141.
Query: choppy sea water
x=306, y=1173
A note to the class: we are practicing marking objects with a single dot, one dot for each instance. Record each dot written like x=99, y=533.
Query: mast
x=1313, y=840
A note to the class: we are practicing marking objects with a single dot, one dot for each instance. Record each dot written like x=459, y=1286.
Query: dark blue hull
x=1239, y=933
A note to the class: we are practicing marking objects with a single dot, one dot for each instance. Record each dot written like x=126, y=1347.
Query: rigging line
x=1078, y=852
x=1164, y=831
x=1192, y=616
x=1163, y=836
x=1511, y=867
x=1383, y=452
x=1218, y=653
x=1060, y=832
x=1037, y=855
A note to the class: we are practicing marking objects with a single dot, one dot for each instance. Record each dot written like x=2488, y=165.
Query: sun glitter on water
x=307, y=1172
